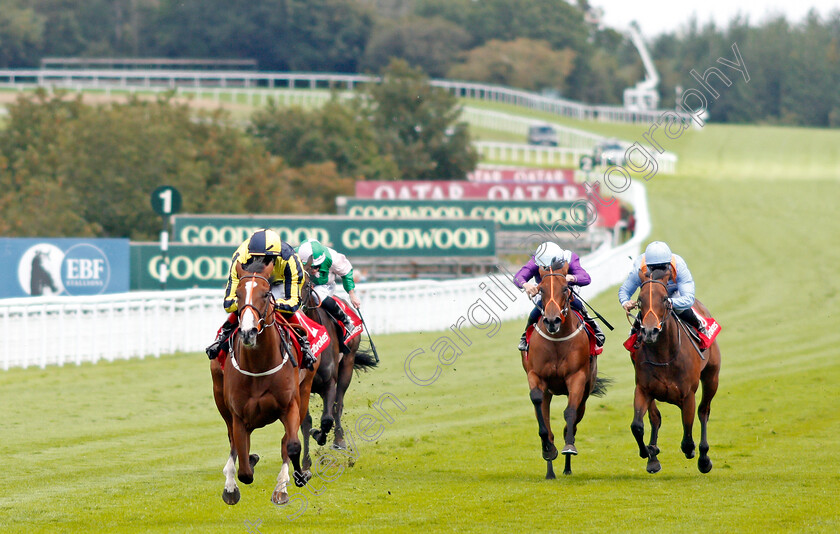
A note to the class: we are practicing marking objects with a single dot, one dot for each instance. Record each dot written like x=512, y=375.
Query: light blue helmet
x=657, y=253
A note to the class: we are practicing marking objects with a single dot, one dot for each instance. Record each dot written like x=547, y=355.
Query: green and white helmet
x=312, y=248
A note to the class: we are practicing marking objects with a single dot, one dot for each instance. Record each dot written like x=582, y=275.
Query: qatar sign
x=521, y=175
x=465, y=190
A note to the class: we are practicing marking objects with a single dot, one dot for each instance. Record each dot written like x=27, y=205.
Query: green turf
x=138, y=445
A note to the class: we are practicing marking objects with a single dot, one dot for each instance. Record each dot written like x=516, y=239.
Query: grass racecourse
x=137, y=446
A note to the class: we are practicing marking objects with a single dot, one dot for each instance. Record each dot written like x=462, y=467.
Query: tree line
x=538, y=45
x=68, y=168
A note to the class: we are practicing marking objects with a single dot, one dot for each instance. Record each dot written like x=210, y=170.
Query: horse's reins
x=662, y=321
x=261, y=325
x=564, y=310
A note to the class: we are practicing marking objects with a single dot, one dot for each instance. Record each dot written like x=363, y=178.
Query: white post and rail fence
x=41, y=331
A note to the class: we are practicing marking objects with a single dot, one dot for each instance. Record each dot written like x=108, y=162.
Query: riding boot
x=532, y=319
x=221, y=341
x=596, y=329
x=335, y=310
x=523, y=342
x=690, y=317
x=308, y=358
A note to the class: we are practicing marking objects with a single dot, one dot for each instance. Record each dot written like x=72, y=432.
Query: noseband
x=564, y=310
x=668, y=308
x=270, y=304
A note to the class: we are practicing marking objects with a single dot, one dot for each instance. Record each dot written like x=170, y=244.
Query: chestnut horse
x=669, y=368
x=259, y=384
x=558, y=363
x=332, y=378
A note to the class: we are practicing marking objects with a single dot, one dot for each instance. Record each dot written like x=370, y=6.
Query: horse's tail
x=364, y=360
x=601, y=385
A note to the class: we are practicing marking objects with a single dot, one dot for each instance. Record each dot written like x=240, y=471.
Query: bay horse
x=558, y=362
x=333, y=376
x=669, y=368
x=259, y=384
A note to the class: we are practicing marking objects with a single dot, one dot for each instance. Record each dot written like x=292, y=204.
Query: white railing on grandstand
x=151, y=79
x=62, y=330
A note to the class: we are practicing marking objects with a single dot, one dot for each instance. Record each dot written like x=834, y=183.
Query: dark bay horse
x=259, y=384
x=558, y=363
x=669, y=368
x=333, y=376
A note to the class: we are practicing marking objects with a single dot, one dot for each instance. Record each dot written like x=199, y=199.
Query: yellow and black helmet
x=265, y=243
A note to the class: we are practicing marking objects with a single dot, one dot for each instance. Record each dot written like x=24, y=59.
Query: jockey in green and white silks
x=327, y=266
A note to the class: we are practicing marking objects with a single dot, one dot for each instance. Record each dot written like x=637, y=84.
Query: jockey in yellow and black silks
x=286, y=283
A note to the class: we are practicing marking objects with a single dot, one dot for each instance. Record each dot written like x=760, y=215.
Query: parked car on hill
x=544, y=135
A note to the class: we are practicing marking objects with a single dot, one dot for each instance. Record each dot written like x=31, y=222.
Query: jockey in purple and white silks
x=658, y=255
x=546, y=255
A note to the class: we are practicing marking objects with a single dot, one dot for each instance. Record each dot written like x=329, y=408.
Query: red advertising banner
x=608, y=216
x=461, y=190
x=521, y=175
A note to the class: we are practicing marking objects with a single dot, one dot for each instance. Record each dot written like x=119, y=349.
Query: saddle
x=703, y=341
x=594, y=350
x=318, y=337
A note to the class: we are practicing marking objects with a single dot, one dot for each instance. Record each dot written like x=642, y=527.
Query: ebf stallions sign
x=61, y=266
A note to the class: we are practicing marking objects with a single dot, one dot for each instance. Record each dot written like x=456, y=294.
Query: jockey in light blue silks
x=680, y=287
x=326, y=265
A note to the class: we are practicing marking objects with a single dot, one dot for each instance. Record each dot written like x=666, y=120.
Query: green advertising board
x=350, y=235
x=511, y=216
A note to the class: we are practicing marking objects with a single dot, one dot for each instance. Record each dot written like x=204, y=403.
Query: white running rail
x=61, y=330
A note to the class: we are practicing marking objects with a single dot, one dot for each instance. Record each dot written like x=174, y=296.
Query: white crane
x=643, y=96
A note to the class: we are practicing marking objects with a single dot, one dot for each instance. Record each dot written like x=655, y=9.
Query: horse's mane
x=256, y=264
x=658, y=274
x=558, y=264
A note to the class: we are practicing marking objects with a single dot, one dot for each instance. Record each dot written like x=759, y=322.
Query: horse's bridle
x=270, y=304
x=661, y=322
x=564, y=310
x=669, y=309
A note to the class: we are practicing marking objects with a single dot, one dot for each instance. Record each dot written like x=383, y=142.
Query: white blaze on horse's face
x=249, y=322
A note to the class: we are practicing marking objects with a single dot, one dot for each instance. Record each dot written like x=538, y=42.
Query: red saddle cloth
x=319, y=339
x=354, y=317
x=712, y=327
x=594, y=349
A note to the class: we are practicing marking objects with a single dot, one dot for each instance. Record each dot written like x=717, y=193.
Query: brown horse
x=669, y=367
x=332, y=378
x=558, y=363
x=259, y=384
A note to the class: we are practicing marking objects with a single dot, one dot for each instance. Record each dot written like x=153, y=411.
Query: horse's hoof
x=550, y=454
x=654, y=467
x=232, y=497
x=689, y=454
x=280, y=498
x=320, y=437
x=302, y=478
x=339, y=446
x=570, y=449
x=253, y=459
x=567, y=471
x=704, y=464
x=246, y=479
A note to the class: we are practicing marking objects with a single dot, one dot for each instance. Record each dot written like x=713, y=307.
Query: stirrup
x=523, y=344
